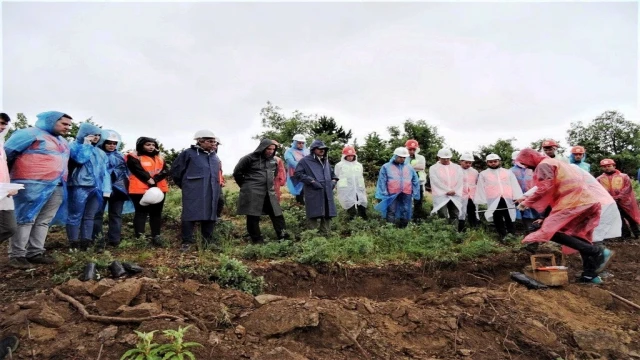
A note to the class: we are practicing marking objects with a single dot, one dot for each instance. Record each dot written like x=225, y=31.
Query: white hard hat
x=203, y=134
x=151, y=196
x=299, y=138
x=112, y=136
x=444, y=154
x=514, y=155
x=467, y=157
x=217, y=140
x=401, y=152
x=493, y=157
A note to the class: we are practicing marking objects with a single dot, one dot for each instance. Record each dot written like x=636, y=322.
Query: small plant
x=234, y=274
x=177, y=349
x=145, y=349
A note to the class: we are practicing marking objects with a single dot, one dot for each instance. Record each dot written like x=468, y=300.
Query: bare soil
x=469, y=310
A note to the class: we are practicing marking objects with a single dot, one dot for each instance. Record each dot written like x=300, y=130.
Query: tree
x=20, y=122
x=373, y=154
x=334, y=136
x=609, y=135
x=502, y=147
x=426, y=135
x=281, y=128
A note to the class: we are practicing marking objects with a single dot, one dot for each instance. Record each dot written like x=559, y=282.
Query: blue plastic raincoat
x=38, y=159
x=395, y=179
x=89, y=177
x=582, y=164
x=291, y=157
x=117, y=167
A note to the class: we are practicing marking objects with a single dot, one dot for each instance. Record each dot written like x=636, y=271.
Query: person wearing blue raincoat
x=38, y=158
x=294, y=154
x=398, y=185
x=525, y=179
x=315, y=172
x=578, y=157
x=89, y=182
x=118, y=201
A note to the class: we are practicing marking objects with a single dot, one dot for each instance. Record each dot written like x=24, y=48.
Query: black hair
x=4, y=117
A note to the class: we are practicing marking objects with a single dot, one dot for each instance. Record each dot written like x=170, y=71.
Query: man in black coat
x=255, y=174
x=197, y=172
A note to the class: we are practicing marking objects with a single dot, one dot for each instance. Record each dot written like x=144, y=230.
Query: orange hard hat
x=577, y=149
x=606, y=162
x=411, y=144
x=348, y=150
x=549, y=142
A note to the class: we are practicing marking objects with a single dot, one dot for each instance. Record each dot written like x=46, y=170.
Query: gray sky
x=478, y=71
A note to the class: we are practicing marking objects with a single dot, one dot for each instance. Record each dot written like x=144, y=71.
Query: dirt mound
x=469, y=311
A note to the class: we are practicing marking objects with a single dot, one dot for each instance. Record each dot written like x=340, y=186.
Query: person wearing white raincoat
x=446, y=186
x=497, y=188
x=610, y=225
x=352, y=195
x=470, y=180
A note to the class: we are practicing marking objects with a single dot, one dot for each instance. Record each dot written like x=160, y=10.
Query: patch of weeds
x=270, y=250
x=232, y=273
x=70, y=265
x=314, y=251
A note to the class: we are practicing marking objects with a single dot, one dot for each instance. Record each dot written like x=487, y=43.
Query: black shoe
x=132, y=268
x=20, y=263
x=257, y=240
x=8, y=345
x=117, y=270
x=284, y=236
x=41, y=259
x=74, y=245
x=157, y=241
x=185, y=247
x=85, y=245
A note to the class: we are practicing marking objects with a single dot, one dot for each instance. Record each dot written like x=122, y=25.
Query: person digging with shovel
x=575, y=212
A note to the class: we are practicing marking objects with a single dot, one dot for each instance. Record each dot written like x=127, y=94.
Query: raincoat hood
x=105, y=134
x=140, y=145
x=87, y=129
x=354, y=160
x=572, y=160
x=529, y=158
x=47, y=120
x=305, y=150
x=264, y=144
x=318, y=144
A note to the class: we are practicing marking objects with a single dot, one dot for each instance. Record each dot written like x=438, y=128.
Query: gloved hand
x=521, y=207
x=88, y=139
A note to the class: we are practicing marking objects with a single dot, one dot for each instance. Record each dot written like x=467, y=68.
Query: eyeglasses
x=210, y=141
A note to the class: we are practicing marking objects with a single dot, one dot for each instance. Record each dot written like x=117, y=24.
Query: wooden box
x=555, y=277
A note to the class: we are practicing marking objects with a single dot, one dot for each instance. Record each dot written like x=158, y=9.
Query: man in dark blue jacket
x=315, y=172
x=197, y=172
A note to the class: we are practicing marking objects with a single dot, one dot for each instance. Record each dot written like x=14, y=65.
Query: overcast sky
x=479, y=71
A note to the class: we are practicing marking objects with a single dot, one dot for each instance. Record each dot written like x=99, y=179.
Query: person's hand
x=539, y=221
x=316, y=185
x=151, y=182
x=89, y=138
x=518, y=201
x=451, y=193
x=521, y=207
x=12, y=192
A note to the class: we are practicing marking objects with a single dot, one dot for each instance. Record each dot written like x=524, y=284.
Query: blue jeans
x=115, y=221
x=84, y=231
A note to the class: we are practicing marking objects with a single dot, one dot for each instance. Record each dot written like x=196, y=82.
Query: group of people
x=75, y=182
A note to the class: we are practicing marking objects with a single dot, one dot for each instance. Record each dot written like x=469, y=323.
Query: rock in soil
x=138, y=311
x=119, y=295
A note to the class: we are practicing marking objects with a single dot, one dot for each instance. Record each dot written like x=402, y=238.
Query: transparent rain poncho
x=575, y=209
x=350, y=186
x=469, y=185
x=445, y=178
x=393, y=180
x=291, y=157
x=619, y=187
x=117, y=166
x=40, y=161
x=494, y=184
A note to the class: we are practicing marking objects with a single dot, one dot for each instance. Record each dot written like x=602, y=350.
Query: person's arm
x=136, y=169
x=290, y=159
x=627, y=188
x=545, y=174
x=17, y=143
x=178, y=168
x=163, y=174
x=301, y=175
x=240, y=169
x=415, y=185
x=420, y=164
x=381, y=186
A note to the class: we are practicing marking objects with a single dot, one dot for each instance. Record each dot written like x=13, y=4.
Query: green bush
x=232, y=273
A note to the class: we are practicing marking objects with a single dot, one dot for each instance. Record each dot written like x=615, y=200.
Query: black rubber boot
x=85, y=245
x=157, y=241
x=117, y=270
x=132, y=268
x=8, y=345
x=89, y=272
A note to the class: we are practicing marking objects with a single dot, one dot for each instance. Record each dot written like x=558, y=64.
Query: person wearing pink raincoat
x=574, y=214
x=498, y=188
x=469, y=184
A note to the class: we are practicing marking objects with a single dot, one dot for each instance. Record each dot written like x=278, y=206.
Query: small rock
x=312, y=273
x=75, y=287
x=464, y=352
x=142, y=310
x=452, y=323
x=399, y=312
x=119, y=295
x=167, y=292
x=267, y=298
x=108, y=333
x=598, y=340
x=129, y=339
x=41, y=334
x=27, y=304
x=240, y=331
x=102, y=287
x=414, y=316
x=46, y=317
x=634, y=354
x=350, y=306
x=190, y=285
x=214, y=339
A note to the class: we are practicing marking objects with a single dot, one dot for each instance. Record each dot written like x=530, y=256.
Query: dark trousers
x=357, y=210
x=253, y=222
x=8, y=225
x=153, y=212
x=591, y=254
x=472, y=217
x=220, y=206
x=502, y=219
x=115, y=221
x=206, y=229
x=632, y=223
x=418, y=211
x=300, y=198
x=449, y=211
